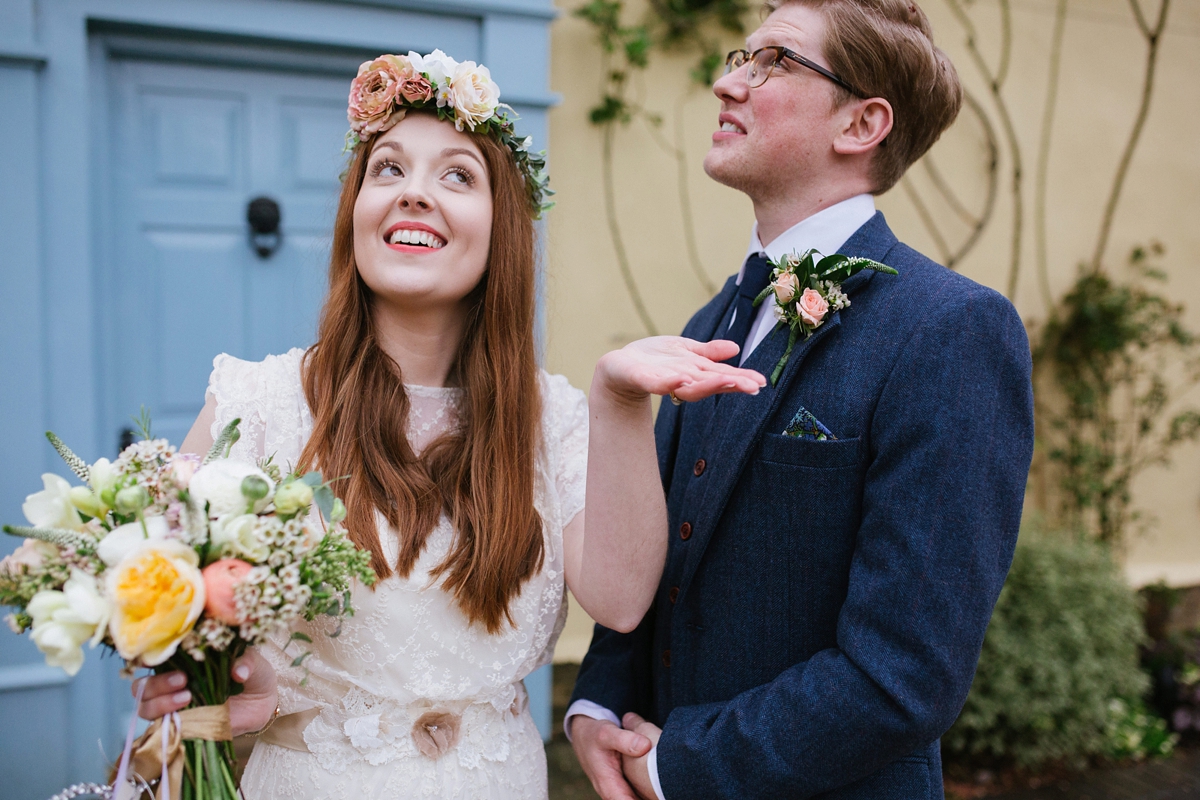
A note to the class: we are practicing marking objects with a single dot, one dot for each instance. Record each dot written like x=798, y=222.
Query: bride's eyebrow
x=462, y=151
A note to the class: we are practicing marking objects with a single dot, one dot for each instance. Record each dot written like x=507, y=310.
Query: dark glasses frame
x=781, y=52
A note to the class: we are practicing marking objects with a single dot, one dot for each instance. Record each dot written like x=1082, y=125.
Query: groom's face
x=772, y=136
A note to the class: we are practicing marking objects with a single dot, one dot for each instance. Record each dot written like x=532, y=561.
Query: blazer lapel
x=745, y=416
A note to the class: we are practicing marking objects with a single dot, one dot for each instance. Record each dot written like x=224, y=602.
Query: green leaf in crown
x=808, y=289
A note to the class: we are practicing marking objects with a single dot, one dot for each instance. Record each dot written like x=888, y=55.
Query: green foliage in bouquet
x=1062, y=646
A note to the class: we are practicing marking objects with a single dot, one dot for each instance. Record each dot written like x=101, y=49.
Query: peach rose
x=812, y=307
x=785, y=287
x=373, y=97
x=220, y=578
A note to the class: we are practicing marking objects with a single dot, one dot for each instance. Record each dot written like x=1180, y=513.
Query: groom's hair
x=884, y=48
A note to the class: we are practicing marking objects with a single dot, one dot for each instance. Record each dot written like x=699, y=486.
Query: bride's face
x=423, y=218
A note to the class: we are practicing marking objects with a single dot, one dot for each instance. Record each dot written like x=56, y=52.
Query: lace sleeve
x=567, y=416
x=268, y=398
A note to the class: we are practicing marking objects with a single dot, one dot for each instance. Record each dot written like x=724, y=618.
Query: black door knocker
x=264, y=217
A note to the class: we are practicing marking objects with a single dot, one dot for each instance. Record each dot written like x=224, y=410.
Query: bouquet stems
x=209, y=767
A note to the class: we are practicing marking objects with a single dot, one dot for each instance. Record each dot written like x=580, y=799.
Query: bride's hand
x=248, y=711
x=672, y=364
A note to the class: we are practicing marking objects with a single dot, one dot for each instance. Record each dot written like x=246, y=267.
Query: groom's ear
x=865, y=125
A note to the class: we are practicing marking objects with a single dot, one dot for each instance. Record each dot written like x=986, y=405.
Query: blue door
x=193, y=146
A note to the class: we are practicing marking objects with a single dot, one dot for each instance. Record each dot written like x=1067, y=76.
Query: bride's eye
x=460, y=176
x=386, y=168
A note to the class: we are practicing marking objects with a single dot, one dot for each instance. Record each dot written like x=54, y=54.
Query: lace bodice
x=408, y=651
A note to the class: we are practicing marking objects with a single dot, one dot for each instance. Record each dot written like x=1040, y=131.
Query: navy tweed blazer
x=824, y=603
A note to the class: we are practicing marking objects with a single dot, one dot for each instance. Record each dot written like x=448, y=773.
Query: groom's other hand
x=637, y=769
x=600, y=747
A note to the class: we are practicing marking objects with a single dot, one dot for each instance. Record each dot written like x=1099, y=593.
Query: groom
x=837, y=542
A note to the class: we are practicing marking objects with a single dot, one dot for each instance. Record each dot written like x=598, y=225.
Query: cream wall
x=589, y=311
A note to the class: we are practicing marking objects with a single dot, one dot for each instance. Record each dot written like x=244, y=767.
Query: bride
x=464, y=465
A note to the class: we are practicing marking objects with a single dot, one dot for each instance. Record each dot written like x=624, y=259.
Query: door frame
x=56, y=52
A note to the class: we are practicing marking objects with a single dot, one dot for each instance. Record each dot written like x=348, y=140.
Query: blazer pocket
x=828, y=454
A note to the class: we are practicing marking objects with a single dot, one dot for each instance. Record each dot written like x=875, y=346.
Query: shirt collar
x=825, y=231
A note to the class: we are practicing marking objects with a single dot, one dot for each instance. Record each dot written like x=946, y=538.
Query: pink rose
x=785, y=287
x=373, y=97
x=220, y=578
x=812, y=307
x=414, y=87
x=31, y=555
x=181, y=469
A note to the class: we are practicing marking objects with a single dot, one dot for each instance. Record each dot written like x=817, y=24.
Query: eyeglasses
x=763, y=61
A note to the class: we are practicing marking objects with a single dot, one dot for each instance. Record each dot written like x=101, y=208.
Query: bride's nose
x=414, y=199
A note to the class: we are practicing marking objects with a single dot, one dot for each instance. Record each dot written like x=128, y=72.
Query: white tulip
x=52, y=507
x=237, y=536
x=220, y=485
x=123, y=540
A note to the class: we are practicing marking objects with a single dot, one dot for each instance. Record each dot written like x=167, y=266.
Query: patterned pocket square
x=805, y=426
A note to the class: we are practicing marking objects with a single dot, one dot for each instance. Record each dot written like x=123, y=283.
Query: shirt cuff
x=652, y=766
x=588, y=709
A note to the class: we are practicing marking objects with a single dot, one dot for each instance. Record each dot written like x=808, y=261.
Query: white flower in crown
x=474, y=94
x=437, y=66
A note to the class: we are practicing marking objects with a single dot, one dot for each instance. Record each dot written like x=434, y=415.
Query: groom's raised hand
x=600, y=746
x=636, y=769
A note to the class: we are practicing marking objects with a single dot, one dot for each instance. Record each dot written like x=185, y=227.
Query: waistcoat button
x=685, y=531
x=698, y=470
x=666, y=658
x=673, y=595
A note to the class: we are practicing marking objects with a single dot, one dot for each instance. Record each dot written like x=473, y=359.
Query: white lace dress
x=411, y=701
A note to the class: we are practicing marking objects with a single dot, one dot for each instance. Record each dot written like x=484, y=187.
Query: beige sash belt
x=288, y=730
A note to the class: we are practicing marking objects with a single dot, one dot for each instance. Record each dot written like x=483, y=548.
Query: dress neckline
x=433, y=391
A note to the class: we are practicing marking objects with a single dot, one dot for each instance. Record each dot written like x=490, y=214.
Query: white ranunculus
x=52, y=507
x=236, y=536
x=57, y=630
x=123, y=540
x=219, y=484
x=437, y=66
x=474, y=94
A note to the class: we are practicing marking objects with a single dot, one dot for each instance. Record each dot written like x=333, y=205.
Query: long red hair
x=481, y=474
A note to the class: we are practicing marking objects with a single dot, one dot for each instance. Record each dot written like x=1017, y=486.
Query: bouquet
x=178, y=563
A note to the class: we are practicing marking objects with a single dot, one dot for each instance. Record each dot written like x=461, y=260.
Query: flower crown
x=462, y=91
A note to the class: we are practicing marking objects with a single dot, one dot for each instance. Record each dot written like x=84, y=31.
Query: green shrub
x=1135, y=732
x=1062, y=644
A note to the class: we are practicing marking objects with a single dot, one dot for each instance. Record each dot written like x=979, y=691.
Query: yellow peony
x=158, y=594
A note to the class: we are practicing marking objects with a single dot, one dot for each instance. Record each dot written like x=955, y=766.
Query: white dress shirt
x=825, y=231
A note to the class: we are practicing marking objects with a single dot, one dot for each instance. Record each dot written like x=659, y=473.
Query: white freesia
x=238, y=536
x=474, y=94
x=437, y=66
x=123, y=540
x=219, y=484
x=63, y=621
x=52, y=507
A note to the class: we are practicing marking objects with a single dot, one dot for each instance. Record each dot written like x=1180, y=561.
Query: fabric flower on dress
x=436, y=732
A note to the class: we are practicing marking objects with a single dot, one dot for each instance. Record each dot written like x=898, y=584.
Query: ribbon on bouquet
x=160, y=749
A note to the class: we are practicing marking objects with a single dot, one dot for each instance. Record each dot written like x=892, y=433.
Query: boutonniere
x=807, y=289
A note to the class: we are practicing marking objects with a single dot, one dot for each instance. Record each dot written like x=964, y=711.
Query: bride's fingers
x=163, y=694
x=708, y=384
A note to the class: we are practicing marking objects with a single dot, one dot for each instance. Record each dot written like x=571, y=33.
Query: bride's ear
x=865, y=126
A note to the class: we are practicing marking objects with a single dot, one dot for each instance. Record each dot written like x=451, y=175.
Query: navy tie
x=755, y=277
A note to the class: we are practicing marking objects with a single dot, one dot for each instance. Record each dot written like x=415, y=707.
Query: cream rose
x=473, y=94
x=785, y=287
x=52, y=507
x=158, y=594
x=812, y=307
x=238, y=536
x=221, y=484
x=437, y=65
